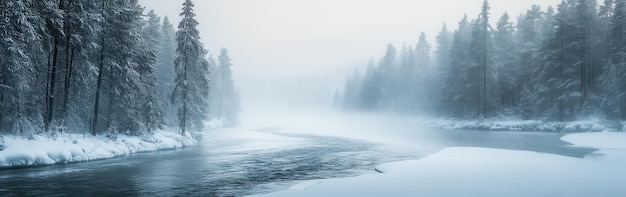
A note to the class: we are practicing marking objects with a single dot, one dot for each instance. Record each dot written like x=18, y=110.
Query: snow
x=524, y=125
x=65, y=148
x=470, y=171
x=601, y=140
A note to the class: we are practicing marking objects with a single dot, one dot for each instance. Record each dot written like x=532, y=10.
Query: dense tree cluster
x=555, y=64
x=99, y=66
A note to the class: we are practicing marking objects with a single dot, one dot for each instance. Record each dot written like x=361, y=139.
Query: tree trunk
x=94, y=123
x=52, y=81
x=45, y=97
x=68, y=76
x=68, y=80
x=219, y=113
x=69, y=50
x=113, y=98
x=2, y=105
x=183, y=121
x=20, y=114
x=484, y=58
x=96, y=105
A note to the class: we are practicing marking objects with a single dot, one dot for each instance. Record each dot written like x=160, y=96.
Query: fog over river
x=267, y=156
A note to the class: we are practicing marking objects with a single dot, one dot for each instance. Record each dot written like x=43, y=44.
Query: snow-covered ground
x=469, y=171
x=524, y=125
x=17, y=151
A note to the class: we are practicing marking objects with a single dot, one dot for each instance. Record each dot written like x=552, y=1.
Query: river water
x=252, y=162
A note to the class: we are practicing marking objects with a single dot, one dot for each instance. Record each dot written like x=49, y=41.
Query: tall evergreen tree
x=54, y=16
x=152, y=110
x=388, y=72
x=456, y=93
x=442, y=60
x=614, y=103
x=124, y=58
x=505, y=63
x=481, y=45
x=166, y=55
x=370, y=91
x=423, y=76
x=352, y=89
x=406, y=87
x=17, y=72
x=192, y=83
x=229, y=98
x=81, y=23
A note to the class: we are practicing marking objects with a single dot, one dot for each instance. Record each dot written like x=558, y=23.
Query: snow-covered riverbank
x=469, y=171
x=17, y=151
x=524, y=125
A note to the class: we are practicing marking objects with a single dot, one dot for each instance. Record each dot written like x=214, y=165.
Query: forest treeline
x=106, y=67
x=552, y=64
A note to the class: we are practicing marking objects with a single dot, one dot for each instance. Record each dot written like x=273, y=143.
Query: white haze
x=278, y=46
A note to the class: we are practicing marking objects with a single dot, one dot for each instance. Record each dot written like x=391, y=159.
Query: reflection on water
x=218, y=168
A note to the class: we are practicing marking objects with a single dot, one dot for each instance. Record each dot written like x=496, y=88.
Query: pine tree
x=81, y=23
x=352, y=90
x=482, y=37
x=614, y=103
x=192, y=83
x=152, y=110
x=123, y=59
x=407, y=90
x=215, y=87
x=166, y=55
x=558, y=89
x=54, y=16
x=422, y=74
x=387, y=72
x=370, y=92
x=529, y=35
x=229, y=98
x=17, y=33
x=586, y=24
x=442, y=60
x=505, y=63
x=456, y=94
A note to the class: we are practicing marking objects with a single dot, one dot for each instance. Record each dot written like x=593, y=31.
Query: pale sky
x=294, y=38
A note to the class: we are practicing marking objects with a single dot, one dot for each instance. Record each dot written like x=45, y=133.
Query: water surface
x=236, y=166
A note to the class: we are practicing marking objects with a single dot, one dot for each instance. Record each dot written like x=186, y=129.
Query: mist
x=327, y=39
x=309, y=57
x=312, y=98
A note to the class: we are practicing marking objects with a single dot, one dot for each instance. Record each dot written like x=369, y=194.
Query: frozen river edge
x=470, y=171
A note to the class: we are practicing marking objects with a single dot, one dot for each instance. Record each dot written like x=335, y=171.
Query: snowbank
x=600, y=140
x=18, y=151
x=468, y=171
x=525, y=125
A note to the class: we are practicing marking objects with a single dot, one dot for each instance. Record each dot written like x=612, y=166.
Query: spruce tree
x=166, y=55
x=229, y=98
x=192, y=83
x=614, y=103
x=123, y=58
x=17, y=70
x=505, y=63
x=423, y=76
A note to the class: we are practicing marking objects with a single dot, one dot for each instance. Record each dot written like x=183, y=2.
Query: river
x=253, y=161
